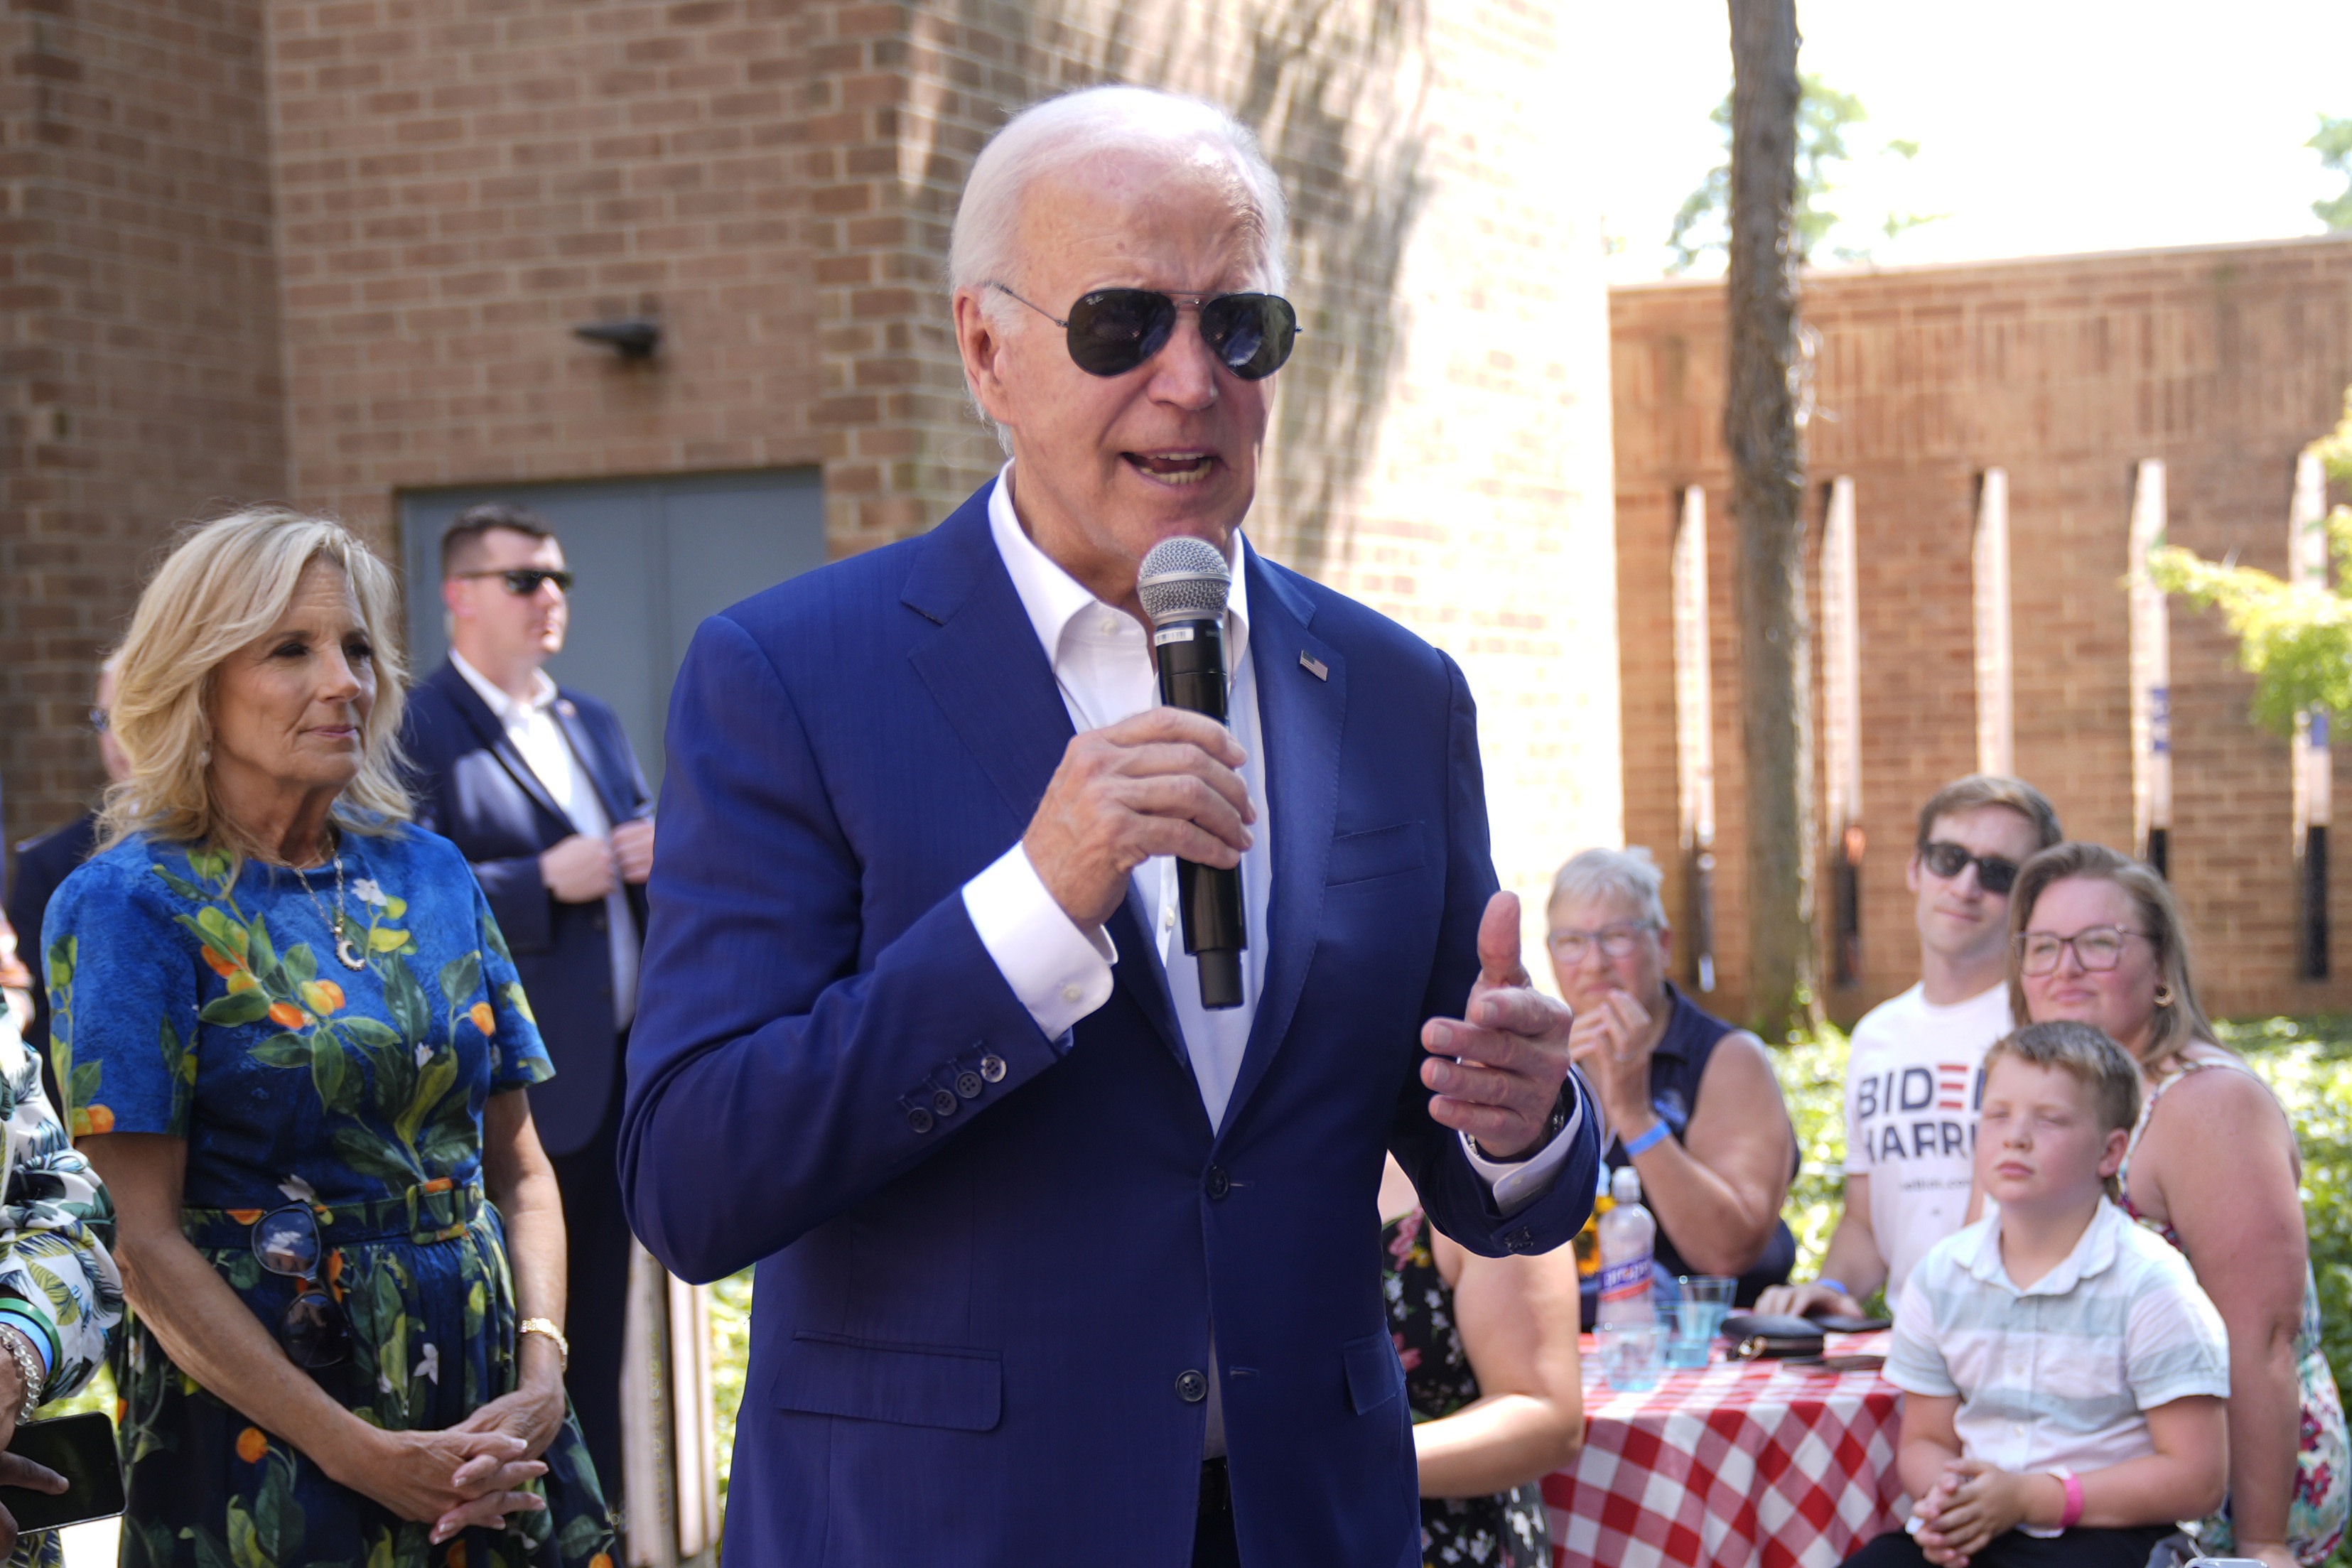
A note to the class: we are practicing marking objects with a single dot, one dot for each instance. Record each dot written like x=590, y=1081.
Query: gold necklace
x=337, y=924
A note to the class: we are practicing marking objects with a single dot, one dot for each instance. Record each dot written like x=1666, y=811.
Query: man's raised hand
x=1496, y=1072
x=1160, y=783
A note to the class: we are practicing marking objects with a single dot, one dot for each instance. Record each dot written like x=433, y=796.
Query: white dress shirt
x=536, y=734
x=1102, y=662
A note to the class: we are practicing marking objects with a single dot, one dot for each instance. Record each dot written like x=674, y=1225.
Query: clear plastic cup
x=1630, y=1355
x=1696, y=1318
x=1691, y=1329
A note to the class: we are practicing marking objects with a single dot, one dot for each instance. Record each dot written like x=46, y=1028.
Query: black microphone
x=1183, y=585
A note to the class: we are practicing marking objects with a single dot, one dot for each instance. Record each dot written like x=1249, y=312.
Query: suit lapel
x=984, y=667
x=468, y=702
x=1299, y=721
x=592, y=762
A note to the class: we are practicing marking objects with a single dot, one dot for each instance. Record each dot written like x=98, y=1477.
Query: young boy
x=2063, y=1374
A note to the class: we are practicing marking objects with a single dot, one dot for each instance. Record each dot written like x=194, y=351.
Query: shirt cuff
x=36, y=1329
x=1059, y=973
x=1519, y=1183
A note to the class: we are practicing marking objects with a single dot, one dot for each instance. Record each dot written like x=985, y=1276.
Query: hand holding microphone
x=1164, y=782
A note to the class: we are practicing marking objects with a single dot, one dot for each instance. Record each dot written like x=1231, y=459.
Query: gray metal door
x=653, y=557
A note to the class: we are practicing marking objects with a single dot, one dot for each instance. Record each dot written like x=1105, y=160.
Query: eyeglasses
x=99, y=719
x=2096, y=947
x=522, y=581
x=314, y=1333
x=1994, y=875
x=1112, y=330
x=1614, y=941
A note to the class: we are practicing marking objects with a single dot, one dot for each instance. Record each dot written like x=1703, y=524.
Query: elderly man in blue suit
x=538, y=784
x=1055, y=1264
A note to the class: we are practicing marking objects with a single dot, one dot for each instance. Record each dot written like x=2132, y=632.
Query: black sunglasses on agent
x=314, y=1333
x=1994, y=875
x=522, y=581
x=1112, y=330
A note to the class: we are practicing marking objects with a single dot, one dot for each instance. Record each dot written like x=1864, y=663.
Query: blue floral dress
x=208, y=1004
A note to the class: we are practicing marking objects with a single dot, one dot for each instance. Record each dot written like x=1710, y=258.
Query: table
x=1750, y=1465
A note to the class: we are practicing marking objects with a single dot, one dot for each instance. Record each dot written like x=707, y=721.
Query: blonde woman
x=2212, y=1168
x=298, y=1050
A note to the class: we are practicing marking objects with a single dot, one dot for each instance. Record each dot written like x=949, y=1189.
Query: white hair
x=1048, y=137
x=1627, y=875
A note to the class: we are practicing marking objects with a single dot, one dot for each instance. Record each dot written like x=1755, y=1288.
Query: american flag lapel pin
x=1313, y=665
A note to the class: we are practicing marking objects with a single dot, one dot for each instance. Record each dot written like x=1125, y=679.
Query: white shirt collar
x=507, y=711
x=1054, y=599
x=2094, y=1253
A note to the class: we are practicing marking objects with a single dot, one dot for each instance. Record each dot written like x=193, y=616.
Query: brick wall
x=2222, y=363
x=139, y=353
x=326, y=250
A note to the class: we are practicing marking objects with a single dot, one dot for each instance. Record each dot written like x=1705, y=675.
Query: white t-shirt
x=1913, y=1085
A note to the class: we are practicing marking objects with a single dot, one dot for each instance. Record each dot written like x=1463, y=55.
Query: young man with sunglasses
x=540, y=788
x=1915, y=1074
x=1058, y=1264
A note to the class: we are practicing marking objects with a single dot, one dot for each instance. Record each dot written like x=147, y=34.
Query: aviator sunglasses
x=522, y=581
x=314, y=1333
x=1112, y=330
x=1994, y=875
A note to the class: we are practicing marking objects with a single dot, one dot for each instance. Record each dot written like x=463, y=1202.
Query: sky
x=2046, y=126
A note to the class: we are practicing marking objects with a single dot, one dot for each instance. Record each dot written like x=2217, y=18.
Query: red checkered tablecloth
x=1757, y=1465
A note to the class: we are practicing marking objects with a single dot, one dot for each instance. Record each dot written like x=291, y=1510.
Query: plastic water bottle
x=1628, y=1237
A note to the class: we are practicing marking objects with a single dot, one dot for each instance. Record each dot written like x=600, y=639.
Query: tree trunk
x=1760, y=425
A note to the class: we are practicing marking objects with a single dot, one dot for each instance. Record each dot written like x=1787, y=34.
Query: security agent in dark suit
x=539, y=786
x=42, y=863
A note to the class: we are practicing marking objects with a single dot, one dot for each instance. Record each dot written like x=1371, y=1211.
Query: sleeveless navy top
x=1676, y=1066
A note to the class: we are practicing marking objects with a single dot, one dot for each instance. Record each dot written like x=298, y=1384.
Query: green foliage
x=1823, y=115
x=730, y=1350
x=2295, y=638
x=2334, y=145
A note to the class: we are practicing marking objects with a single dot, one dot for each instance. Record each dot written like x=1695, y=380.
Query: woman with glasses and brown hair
x=295, y=1049
x=2212, y=1168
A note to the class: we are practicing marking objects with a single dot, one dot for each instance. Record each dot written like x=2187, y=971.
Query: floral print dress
x=206, y=1001
x=1508, y=1530
x=58, y=1285
x=2323, y=1479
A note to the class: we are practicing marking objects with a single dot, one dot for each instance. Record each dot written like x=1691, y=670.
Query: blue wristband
x=1826, y=1284
x=1649, y=1140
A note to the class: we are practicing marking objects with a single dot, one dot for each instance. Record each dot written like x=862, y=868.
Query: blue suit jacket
x=975, y=1333
x=474, y=789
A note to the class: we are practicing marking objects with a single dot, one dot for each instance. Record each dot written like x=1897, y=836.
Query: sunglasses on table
x=1112, y=330
x=2096, y=947
x=315, y=1333
x=522, y=581
x=1994, y=875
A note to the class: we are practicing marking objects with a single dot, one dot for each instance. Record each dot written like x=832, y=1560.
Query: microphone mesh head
x=1184, y=579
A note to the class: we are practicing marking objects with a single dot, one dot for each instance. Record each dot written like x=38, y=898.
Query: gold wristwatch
x=544, y=1326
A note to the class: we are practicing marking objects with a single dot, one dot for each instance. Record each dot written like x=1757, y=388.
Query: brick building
x=1984, y=441
x=332, y=251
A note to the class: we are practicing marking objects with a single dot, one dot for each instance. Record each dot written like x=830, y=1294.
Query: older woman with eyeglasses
x=2213, y=1168
x=1692, y=1104
x=297, y=1050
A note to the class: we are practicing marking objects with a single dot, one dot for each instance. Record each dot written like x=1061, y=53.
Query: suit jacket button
x=1218, y=1183
x=920, y=1119
x=992, y=1066
x=1520, y=1240
x=1192, y=1387
x=967, y=1083
x=943, y=1103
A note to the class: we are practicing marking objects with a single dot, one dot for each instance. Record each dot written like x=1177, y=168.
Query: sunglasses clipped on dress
x=314, y=1333
x=1112, y=330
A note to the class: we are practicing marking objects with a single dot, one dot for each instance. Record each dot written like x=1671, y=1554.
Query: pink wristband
x=2073, y=1515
